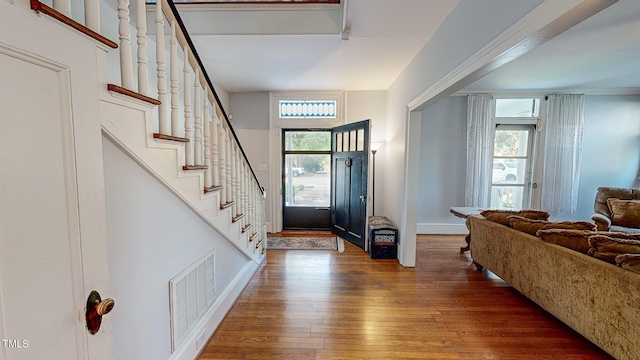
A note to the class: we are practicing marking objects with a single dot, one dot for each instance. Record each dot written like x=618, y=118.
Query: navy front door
x=350, y=164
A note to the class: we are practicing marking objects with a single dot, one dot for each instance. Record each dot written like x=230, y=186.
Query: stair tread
x=213, y=188
x=229, y=204
x=169, y=137
x=195, y=167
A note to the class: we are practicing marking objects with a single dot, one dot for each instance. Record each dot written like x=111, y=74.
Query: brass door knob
x=96, y=307
x=105, y=306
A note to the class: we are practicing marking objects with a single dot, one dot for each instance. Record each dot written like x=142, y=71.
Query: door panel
x=350, y=157
x=340, y=218
x=40, y=262
x=357, y=204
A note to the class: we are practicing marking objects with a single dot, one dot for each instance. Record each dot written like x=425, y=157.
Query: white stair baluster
x=207, y=143
x=215, y=172
x=63, y=7
x=247, y=194
x=227, y=144
x=234, y=180
x=239, y=184
x=92, y=15
x=173, y=73
x=249, y=221
x=126, y=65
x=188, y=150
x=143, y=71
x=197, y=110
x=256, y=225
x=161, y=59
x=222, y=164
x=256, y=201
x=252, y=202
x=243, y=190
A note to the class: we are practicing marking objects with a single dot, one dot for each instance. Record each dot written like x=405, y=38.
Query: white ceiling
x=385, y=37
x=600, y=53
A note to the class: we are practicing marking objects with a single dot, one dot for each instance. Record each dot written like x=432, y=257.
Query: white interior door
x=41, y=268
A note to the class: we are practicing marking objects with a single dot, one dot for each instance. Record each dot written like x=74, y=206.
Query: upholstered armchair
x=617, y=209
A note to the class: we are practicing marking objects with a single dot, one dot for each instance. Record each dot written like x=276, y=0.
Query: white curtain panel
x=563, y=152
x=479, y=149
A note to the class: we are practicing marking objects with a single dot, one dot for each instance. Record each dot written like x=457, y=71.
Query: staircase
x=168, y=117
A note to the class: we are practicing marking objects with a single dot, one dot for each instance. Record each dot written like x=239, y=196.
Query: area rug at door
x=302, y=243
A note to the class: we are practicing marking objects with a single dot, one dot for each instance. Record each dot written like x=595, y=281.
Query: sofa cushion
x=531, y=226
x=607, y=248
x=624, y=212
x=577, y=240
x=500, y=216
x=629, y=262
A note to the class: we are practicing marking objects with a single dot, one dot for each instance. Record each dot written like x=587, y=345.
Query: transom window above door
x=315, y=109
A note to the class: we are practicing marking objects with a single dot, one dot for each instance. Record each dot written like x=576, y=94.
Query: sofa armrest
x=602, y=222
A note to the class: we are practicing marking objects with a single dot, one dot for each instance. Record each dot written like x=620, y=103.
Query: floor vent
x=192, y=292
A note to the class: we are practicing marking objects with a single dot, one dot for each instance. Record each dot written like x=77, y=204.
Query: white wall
x=443, y=144
x=250, y=121
x=470, y=26
x=153, y=236
x=611, y=148
x=362, y=105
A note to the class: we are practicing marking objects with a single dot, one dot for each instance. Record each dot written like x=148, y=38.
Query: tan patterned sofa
x=599, y=300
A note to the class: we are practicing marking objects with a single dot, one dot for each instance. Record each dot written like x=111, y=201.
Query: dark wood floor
x=330, y=305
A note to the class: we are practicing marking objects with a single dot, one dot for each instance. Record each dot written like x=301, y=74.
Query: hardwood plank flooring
x=330, y=305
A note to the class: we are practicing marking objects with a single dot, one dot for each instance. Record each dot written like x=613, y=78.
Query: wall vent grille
x=192, y=292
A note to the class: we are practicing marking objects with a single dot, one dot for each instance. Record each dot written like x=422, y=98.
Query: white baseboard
x=442, y=229
x=198, y=338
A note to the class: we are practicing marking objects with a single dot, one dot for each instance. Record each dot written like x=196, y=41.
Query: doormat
x=304, y=243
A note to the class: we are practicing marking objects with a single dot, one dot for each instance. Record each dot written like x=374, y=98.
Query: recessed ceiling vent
x=192, y=292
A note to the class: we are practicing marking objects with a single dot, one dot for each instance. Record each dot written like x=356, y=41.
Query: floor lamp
x=374, y=149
